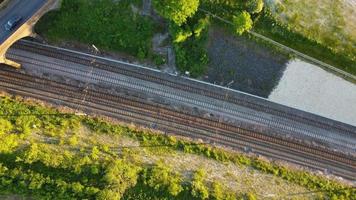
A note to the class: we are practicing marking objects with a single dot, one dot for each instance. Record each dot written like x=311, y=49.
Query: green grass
x=297, y=41
x=266, y=25
x=110, y=25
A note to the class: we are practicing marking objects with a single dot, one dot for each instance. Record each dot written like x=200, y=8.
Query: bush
x=176, y=11
x=191, y=53
x=162, y=178
x=5, y=126
x=254, y=6
x=119, y=176
x=242, y=22
x=53, y=171
x=199, y=190
x=110, y=25
x=179, y=33
x=201, y=26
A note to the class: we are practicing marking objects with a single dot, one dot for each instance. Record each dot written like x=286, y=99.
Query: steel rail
x=110, y=105
x=132, y=71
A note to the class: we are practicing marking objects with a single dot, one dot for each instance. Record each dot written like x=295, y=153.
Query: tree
x=119, y=175
x=199, y=190
x=242, y=22
x=201, y=26
x=8, y=141
x=254, y=6
x=179, y=33
x=217, y=193
x=162, y=177
x=176, y=10
x=5, y=126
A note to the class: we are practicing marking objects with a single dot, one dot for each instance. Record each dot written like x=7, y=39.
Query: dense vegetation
x=110, y=25
x=308, y=17
x=176, y=10
x=269, y=27
x=189, y=44
x=44, y=155
x=190, y=32
x=240, y=14
x=119, y=26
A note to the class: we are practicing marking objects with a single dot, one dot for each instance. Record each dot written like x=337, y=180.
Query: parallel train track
x=183, y=123
x=270, y=123
x=195, y=88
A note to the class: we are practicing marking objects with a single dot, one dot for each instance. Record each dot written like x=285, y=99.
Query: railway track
x=273, y=124
x=189, y=86
x=184, y=123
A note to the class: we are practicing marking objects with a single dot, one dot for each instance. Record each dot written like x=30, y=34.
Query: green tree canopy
x=180, y=33
x=162, y=177
x=176, y=10
x=254, y=6
x=199, y=189
x=5, y=126
x=242, y=22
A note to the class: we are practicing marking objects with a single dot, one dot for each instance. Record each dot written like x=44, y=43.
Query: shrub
x=242, y=22
x=254, y=6
x=179, y=33
x=202, y=25
x=119, y=176
x=5, y=126
x=110, y=25
x=176, y=10
x=162, y=178
x=199, y=190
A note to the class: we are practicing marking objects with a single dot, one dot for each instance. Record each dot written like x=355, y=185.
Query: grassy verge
x=49, y=156
x=268, y=27
x=110, y=25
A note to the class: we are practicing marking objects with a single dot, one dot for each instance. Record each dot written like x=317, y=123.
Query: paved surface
x=23, y=8
x=30, y=11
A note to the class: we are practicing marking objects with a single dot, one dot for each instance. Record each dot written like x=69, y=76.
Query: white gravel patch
x=307, y=87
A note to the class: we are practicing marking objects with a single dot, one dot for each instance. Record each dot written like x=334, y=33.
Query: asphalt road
x=23, y=8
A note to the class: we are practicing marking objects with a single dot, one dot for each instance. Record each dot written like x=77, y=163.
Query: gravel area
x=243, y=64
x=310, y=88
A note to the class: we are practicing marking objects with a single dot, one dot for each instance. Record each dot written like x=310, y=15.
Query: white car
x=12, y=22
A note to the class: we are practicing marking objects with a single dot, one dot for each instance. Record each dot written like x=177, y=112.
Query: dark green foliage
x=189, y=45
x=223, y=8
x=180, y=33
x=163, y=179
x=159, y=60
x=119, y=176
x=111, y=25
x=254, y=6
x=242, y=22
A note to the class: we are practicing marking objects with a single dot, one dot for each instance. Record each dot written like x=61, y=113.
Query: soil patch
x=243, y=64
